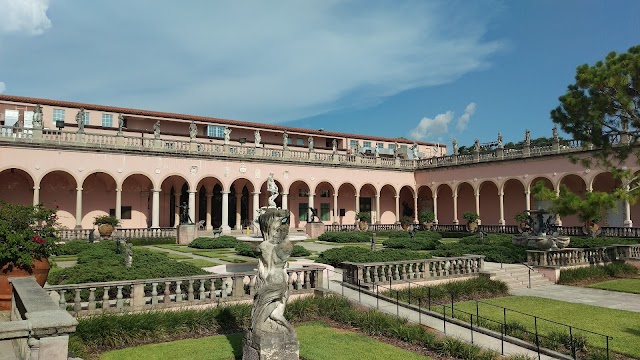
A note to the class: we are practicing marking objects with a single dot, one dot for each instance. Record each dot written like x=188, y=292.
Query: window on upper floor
x=380, y=145
x=86, y=118
x=353, y=144
x=300, y=141
x=58, y=115
x=215, y=131
x=366, y=144
x=289, y=141
x=107, y=120
x=392, y=146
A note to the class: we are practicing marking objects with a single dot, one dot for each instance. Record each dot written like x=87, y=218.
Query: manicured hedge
x=495, y=247
x=479, y=287
x=245, y=249
x=99, y=262
x=417, y=243
x=299, y=251
x=570, y=276
x=588, y=241
x=357, y=254
x=453, y=234
x=346, y=237
x=214, y=243
x=151, y=241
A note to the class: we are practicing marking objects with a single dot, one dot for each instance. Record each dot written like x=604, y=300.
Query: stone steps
x=517, y=276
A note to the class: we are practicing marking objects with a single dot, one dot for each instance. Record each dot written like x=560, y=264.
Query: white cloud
x=431, y=128
x=28, y=16
x=463, y=121
x=3, y=87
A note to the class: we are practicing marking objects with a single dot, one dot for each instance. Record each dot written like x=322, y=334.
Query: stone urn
x=363, y=225
x=472, y=226
x=562, y=241
x=105, y=230
x=39, y=270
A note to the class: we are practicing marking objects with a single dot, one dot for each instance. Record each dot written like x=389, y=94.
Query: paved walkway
x=462, y=333
x=314, y=246
x=579, y=295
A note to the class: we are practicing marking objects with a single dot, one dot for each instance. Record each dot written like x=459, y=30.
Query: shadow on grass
x=634, y=332
x=236, y=343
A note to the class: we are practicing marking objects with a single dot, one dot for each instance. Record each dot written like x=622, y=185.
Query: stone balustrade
x=577, y=256
x=365, y=274
x=266, y=151
x=136, y=233
x=148, y=294
x=38, y=329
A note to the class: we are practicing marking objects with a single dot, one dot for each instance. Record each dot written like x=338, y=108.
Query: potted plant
x=27, y=239
x=363, y=220
x=406, y=221
x=472, y=220
x=523, y=220
x=106, y=224
x=427, y=218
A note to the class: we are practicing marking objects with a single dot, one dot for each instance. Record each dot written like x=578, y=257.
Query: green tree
x=602, y=108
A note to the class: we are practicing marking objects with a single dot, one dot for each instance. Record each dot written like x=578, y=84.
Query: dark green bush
x=479, y=287
x=589, y=242
x=214, y=243
x=346, y=237
x=495, y=248
x=416, y=243
x=151, y=241
x=361, y=255
x=299, y=251
x=570, y=276
x=453, y=234
x=245, y=249
x=73, y=247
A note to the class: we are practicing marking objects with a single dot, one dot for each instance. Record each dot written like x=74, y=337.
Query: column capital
x=79, y=189
x=225, y=192
x=500, y=193
x=192, y=191
x=156, y=190
x=256, y=193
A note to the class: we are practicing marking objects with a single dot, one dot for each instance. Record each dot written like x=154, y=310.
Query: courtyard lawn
x=64, y=258
x=200, y=263
x=623, y=326
x=622, y=285
x=168, y=254
x=317, y=340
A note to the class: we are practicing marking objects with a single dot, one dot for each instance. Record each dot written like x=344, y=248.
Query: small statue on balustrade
x=334, y=146
x=455, y=146
x=285, y=140
x=193, y=130
x=227, y=135
x=310, y=141
x=257, y=138
x=120, y=123
x=37, y=117
x=527, y=137
x=80, y=120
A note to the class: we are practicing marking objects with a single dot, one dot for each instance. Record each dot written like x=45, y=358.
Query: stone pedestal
x=260, y=345
x=314, y=229
x=187, y=233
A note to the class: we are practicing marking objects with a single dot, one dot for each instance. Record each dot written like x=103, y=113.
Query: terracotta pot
x=40, y=271
x=404, y=226
x=363, y=225
x=427, y=225
x=105, y=230
x=472, y=226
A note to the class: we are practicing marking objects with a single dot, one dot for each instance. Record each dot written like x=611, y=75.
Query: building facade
x=142, y=166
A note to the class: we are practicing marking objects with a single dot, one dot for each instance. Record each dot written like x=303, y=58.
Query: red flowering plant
x=27, y=233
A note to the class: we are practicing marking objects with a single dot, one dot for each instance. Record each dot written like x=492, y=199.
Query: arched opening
x=136, y=201
x=174, y=195
x=445, y=204
x=605, y=182
x=425, y=199
x=367, y=197
x=58, y=192
x=540, y=204
x=299, y=193
x=489, y=203
x=406, y=203
x=17, y=187
x=239, y=203
x=323, y=202
x=387, y=205
x=209, y=202
x=346, y=202
x=576, y=185
x=514, y=200
x=466, y=201
x=98, y=197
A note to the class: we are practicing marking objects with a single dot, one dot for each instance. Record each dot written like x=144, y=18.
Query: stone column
x=36, y=195
x=377, y=208
x=357, y=203
x=627, y=210
x=155, y=209
x=208, y=223
x=397, y=209
x=256, y=205
x=335, y=208
x=558, y=219
x=192, y=206
x=415, y=207
x=285, y=200
x=79, y=208
x=435, y=209
x=455, y=209
x=238, y=206
x=310, y=205
x=478, y=205
x=119, y=204
x=527, y=199
x=501, y=195
x=225, y=212
x=176, y=216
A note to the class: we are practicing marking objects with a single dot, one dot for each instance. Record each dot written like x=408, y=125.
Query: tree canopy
x=602, y=108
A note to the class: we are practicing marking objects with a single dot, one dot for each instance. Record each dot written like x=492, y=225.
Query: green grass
x=623, y=326
x=233, y=260
x=317, y=342
x=200, y=263
x=622, y=285
x=168, y=254
x=64, y=258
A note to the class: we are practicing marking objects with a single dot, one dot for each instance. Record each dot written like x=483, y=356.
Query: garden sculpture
x=80, y=120
x=37, y=117
x=120, y=124
x=272, y=188
x=156, y=130
x=227, y=135
x=257, y=138
x=193, y=130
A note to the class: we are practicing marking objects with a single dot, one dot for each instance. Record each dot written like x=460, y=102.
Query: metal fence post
x=535, y=323
x=397, y=304
x=573, y=350
x=444, y=319
x=409, y=293
x=471, y=320
x=477, y=314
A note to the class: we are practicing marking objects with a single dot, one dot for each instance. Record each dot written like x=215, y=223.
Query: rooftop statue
x=227, y=135
x=120, y=123
x=37, y=117
x=156, y=130
x=285, y=140
x=257, y=138
x=80, y=120
x=193, y=130
x=310, y=143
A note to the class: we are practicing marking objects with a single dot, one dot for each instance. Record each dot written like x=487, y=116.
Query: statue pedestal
x=259, y=345
x=187, y=233
x=314, y=229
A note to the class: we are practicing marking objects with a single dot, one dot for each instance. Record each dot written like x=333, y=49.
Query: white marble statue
x=377, y=151
x=500, y=140
x=227, y=135
x=285, y=140
x=527, y=137
x=80, y=120
x=37, y=117
x=120, y=123
x=156, y=130
x=193, y=130
x=334, y=146
x=272, y=188
x=455, y=146
x=414, y=150
x=257, y=138
x=310, y=142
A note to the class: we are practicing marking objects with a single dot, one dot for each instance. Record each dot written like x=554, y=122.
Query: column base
x=628, y=223
x=226, y=229
x=78, y=227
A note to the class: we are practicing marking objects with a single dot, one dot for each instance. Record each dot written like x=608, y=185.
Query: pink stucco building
x=142, y=172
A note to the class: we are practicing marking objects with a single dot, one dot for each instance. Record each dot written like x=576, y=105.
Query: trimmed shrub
x=452, y=234
x=151, y=241
x=479, y=287
x=570, y=276
x=417, y=243
x=345, y=237
x=299, y=251
x=214, y=243
x=495, y=247
x=74, y=247
x=337, y=256
x=245, y=249
x=589, y=242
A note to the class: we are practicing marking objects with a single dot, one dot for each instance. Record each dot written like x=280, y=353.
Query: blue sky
x=429, y=70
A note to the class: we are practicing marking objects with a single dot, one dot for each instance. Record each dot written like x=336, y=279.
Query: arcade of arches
x=138, y=203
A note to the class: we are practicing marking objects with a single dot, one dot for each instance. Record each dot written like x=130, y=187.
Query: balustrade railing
x=74, y=234
x=84, y=234
x=578, y=256
x=147, y=294
x=412, y=270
